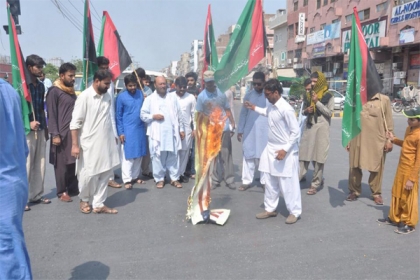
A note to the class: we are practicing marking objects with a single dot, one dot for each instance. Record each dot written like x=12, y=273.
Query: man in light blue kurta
x=253, y=131
x=165, y=128
x=131, y=131
x=14, y=259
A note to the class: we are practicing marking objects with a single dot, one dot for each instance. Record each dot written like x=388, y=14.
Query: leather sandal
x=105, y=210
x=176, y=184
x=85, y=207
x=160, y=184
x=128, y=186
x=138, y=181
x=312, y=190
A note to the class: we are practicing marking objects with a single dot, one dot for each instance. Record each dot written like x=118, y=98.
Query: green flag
x=19, y=72
x=245, y=49
x=211, y=59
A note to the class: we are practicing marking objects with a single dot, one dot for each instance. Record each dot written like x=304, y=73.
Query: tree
x=297, y=88
x=79, y=65
x=51, y=72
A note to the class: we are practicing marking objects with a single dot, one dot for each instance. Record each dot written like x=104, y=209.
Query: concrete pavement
x=150, y=239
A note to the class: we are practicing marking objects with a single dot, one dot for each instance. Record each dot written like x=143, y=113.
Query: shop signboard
x=318, y=50
x=373, y=32
x=415, y=61
x=406, y=11
x=407, y=36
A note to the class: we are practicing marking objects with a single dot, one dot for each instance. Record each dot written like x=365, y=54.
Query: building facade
x=56, y=61
x=390, y=30
x=183, y=66
x=195, y=53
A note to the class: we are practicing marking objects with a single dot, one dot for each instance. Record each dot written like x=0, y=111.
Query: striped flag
x=246, y=47
x=209, y=47
x=111, y=47
x=20, y=72
x=89, y=53
x=363, y=82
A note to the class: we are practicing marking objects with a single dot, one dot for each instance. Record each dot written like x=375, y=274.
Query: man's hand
x=348, y=148
x=388, y=146
x=239, y=137
x=56, y=140
x=158, y=117
x=249, y=105
x=182, y=135
x=281, y=154
x=75, y=151
x=409, y=185
x=309, y=110
x=193, y=134
x=34, y=125
x=314, y=97
x=122, y=138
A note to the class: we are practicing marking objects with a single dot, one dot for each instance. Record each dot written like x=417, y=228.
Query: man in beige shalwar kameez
x=368, y=149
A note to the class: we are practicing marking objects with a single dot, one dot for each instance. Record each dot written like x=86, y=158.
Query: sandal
x=42, y=200
x=160, y=184
x=105, y=210
x=244, y=187
x=128, y=186
x=192, y=176
x=311, y=191
x=85, y=207
x=138, y=181
x=176, y=184
x=27, y=208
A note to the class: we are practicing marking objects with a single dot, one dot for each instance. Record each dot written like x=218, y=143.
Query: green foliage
x=51, y=72
x=297, y=88
x=79, y=65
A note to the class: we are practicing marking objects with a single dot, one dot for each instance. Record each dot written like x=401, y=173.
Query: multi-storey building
x=195, y=53
x=183, y=66
x=390, y=29
x=56, y=61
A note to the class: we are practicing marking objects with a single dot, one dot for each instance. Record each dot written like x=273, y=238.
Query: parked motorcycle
x=399, y=104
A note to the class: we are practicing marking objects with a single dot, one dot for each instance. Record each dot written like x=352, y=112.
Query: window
x=336, y=20
x=325, y=2
x=349, y=18
x=312, y=30
x=297, y=28
x=295, y=5
x=364, y=15
x=291, y=33
x=322, y=26
x=332, y=1
x=318, y=4
x=305, y=3
x=382, y=7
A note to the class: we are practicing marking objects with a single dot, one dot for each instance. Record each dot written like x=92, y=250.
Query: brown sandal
x=104, y=209
x=176, y=184
x=311, y=191
x=160, y=184
x=84, y=207
x=138, y=181
x=128, y=186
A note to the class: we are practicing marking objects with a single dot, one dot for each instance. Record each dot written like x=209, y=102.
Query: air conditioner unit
x=394, y=65
x=402, y=75
x=295, y=59
x=289, y=61
x=337, y=65
x=399, y=74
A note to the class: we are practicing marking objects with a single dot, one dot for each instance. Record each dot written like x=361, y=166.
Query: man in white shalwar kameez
x=94, y=144
x=253, y=131
x=165, y=128
x=280, y=159
x=187, y=103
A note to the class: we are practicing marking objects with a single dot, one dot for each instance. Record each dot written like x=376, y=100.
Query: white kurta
x=283, y=134
x=91, y=115
x=253, y=126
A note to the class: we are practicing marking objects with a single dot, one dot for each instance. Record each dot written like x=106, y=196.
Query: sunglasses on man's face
x=257, y=84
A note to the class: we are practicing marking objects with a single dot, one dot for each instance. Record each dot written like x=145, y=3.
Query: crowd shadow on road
x=384, y=209
x=220, y=201
x=124, y=197
x=90, y=270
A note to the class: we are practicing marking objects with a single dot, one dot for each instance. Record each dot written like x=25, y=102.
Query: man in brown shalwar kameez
x=60, y=103
x=368, y=149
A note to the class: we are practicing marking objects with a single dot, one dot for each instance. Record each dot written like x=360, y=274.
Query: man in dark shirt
x=37, y=137
x=60, y=104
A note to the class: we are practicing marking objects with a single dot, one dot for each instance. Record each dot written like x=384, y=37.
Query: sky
x=155, y=32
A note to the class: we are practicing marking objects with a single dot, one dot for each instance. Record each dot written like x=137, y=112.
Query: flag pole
x=87, y=68
x=137, y=77
x=33, y=115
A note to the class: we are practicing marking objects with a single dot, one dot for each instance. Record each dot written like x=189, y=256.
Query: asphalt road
x=150, y=239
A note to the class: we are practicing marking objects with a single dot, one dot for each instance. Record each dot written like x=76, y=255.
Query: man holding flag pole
x=367, y=118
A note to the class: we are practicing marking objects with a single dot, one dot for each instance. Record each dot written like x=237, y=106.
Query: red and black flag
x=209, y=47
x=111, y=47
x=89, y=52
x=20, y=73
x=363, y=82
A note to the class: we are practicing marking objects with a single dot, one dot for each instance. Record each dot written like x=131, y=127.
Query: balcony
x=278, y=20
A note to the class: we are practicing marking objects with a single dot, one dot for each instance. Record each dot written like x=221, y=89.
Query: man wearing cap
x=210, y=98
x=368, y=149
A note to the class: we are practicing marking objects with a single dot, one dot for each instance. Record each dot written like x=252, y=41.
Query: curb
x=337, y=114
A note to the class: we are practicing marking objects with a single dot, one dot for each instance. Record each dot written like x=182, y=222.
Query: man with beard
x=60, y=104
x=187, y=103
x=131, y=131
x=38, y=136
x=165, y=128
x=253, y=131
x=97, y=151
